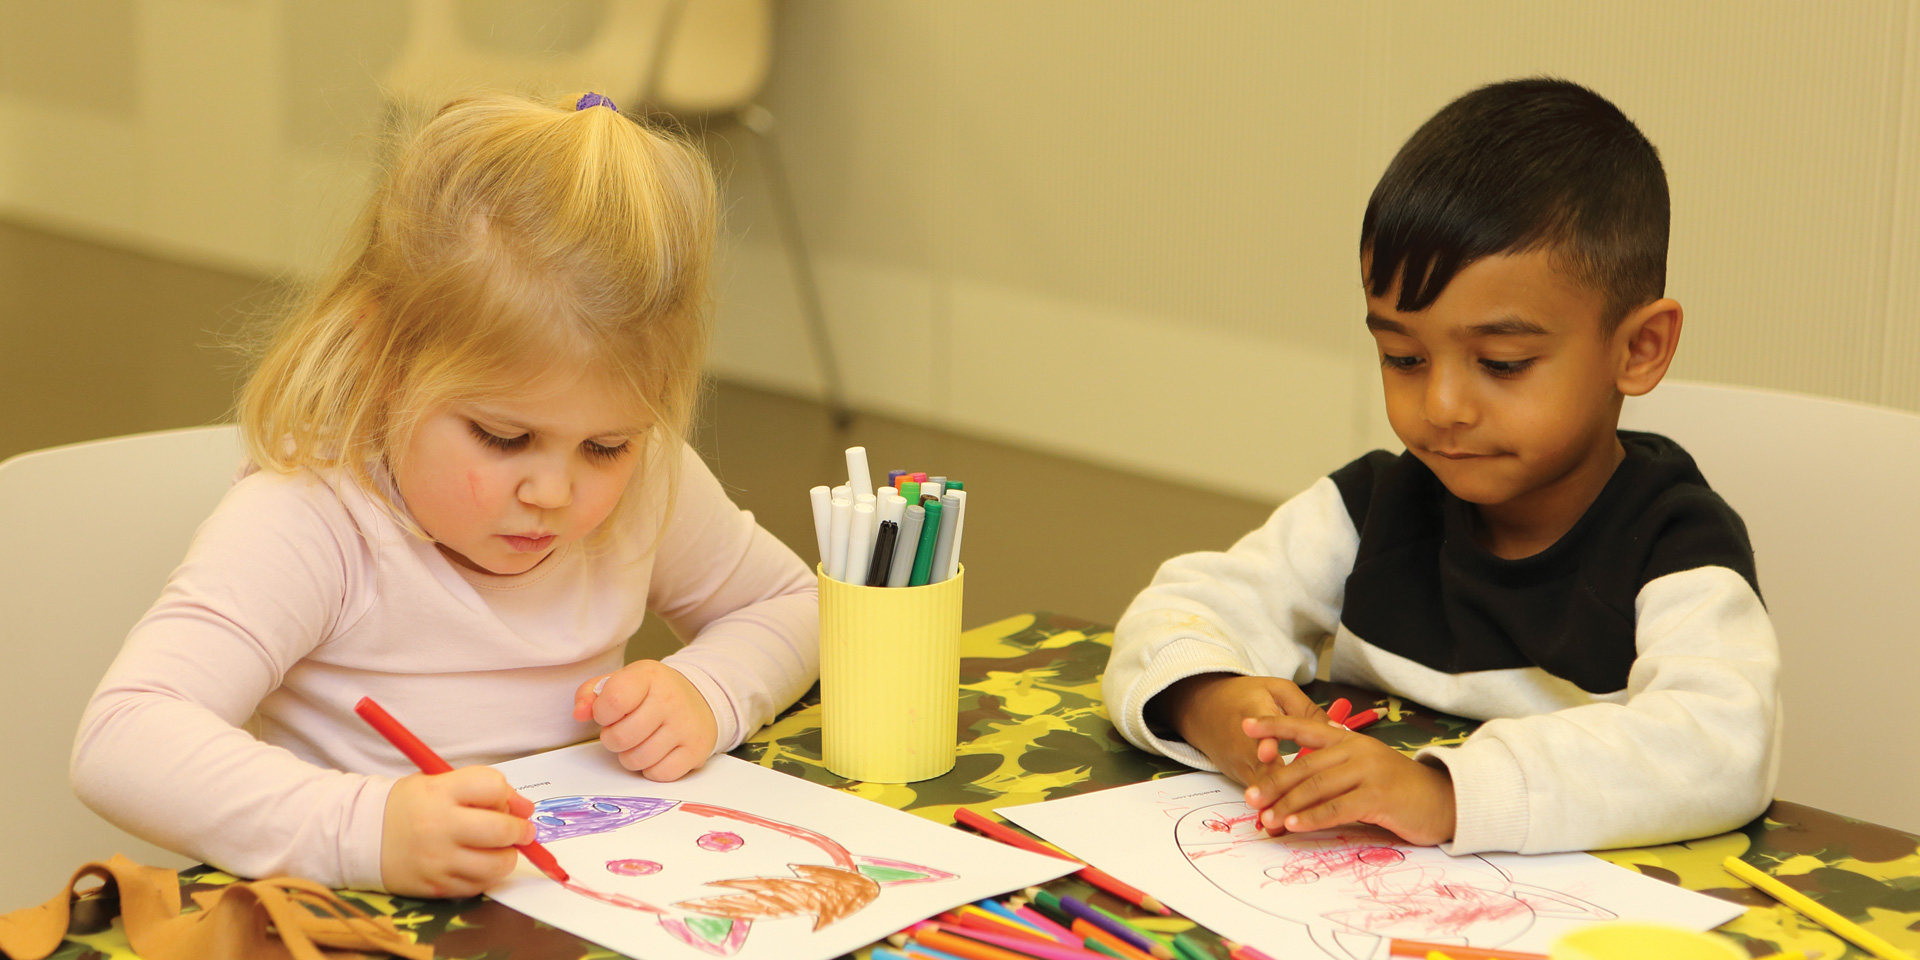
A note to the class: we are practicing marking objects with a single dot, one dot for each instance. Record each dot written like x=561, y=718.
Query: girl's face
x=499, y=485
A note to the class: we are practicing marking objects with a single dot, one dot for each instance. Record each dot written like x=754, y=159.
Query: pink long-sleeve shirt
x=225, y=728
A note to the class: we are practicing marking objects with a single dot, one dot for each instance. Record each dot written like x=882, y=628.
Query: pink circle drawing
x=633, y=868
x=720, y=841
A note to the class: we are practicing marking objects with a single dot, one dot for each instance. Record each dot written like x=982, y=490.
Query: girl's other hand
x=652, y=717
x=451, y=834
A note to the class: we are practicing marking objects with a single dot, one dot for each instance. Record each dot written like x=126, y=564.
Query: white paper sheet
x=1192, y=842
x=736, y=860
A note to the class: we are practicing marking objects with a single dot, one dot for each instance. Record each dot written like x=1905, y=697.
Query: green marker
x=956, y=485
x=929, y=535
x=910, y=491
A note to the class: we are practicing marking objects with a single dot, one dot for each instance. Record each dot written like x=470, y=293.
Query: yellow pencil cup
x=1627, y=940
x=890, y=679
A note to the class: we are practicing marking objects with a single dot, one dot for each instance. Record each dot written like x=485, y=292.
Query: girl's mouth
x=522, y=544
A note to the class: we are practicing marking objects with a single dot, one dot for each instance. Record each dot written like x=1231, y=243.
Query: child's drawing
x=1356, y=887
x=665, y=857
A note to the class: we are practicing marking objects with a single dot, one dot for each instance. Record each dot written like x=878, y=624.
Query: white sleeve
x=1257, y=609
x=160, y=751
x=1693, y=751
x=751, y=607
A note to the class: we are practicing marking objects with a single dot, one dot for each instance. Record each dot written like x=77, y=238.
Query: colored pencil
x=1104, y=950
x=1091, y=874
x=1242, y=951
x=430, y=763
x=1153, y=940
x=1188, y=950
x=1042, y=923
x=983, y=920
x=1363, y=719
x=970, y=949
x=1003, y=912
x=1824, y=916
x=1045, y=950
x=1420, y=948
x=1114, y=925
x=1094, y=934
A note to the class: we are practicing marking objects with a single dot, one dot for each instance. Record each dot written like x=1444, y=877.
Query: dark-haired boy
x=1579, y=588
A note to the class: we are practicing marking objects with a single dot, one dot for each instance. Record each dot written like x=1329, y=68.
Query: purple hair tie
x=595, y=100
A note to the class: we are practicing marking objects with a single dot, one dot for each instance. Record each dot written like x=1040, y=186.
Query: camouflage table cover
x=1032, y=727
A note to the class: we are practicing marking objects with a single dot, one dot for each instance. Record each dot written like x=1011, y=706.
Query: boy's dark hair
x=1514, y=167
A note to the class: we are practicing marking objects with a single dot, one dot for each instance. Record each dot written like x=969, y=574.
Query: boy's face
x=1504, y=386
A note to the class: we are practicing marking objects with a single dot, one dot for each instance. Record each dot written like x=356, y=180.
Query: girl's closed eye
x=496, y=441
x=604, y=451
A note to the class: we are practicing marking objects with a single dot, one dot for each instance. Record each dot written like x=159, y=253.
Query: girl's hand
x=651, y=716
x=1349, y=778
x=1208, y=711
x=451, y=834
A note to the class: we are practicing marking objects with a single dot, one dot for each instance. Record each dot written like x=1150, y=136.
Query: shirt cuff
x=1489, y=796
x=1178, y=660
x=365, y=835
x=727, y=733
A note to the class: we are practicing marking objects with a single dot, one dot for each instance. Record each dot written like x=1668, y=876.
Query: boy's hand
x=1208, y=711
x=1349, y=778
x=651, y=716
x=451, y=834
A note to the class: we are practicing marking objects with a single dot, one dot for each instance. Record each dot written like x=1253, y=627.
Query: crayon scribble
x=658, y=856
x=1356, y=887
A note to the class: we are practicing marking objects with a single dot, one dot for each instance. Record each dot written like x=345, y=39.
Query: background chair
x=688, y=58
x=1830, y=492
x=92, y=531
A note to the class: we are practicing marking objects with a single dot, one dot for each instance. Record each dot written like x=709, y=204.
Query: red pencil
x=1359, y=720
x=1094, y=875
x=430, y=763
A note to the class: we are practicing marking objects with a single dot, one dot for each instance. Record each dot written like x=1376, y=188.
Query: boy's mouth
x=1456, y=455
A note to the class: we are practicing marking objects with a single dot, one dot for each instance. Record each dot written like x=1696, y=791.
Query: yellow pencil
x=1821, y=915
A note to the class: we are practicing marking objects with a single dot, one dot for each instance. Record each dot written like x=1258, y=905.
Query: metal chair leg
x=758, y=120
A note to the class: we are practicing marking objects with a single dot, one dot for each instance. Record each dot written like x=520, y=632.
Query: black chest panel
x=1422, y=588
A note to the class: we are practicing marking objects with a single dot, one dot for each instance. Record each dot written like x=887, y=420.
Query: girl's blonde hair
x=510, y=238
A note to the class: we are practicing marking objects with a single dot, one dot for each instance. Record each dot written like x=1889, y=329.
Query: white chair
x=688, y=58
x=1830, y=492
x=91, y=533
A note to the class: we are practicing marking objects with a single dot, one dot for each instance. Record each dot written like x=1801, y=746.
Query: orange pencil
x=963, y=947
x=1108, y=940
x=1420, y=948
x=975, y=918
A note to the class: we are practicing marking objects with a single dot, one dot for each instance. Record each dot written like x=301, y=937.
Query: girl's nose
x=546, y=489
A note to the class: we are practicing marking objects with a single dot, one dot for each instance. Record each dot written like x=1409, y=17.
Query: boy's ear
x=1644, y=345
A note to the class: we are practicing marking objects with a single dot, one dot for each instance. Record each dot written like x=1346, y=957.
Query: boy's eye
x=1399, y=363
x=496, y=441
x=1507, y=368
x=600, y=451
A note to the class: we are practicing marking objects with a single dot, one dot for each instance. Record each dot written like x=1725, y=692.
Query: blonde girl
x=469, y=484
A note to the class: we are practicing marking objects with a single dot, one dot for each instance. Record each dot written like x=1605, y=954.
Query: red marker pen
x=430, y=763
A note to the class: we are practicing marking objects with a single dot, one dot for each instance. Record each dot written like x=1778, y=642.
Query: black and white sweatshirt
x=1628, y=674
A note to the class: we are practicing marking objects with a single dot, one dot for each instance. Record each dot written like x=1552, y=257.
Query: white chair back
x=92, y=531
x=1830, y=492
x=681, y=56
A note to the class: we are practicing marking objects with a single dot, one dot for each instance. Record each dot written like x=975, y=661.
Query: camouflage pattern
x=1032, y=727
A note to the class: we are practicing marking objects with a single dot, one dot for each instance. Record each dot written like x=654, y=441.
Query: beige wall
x=1120, y=230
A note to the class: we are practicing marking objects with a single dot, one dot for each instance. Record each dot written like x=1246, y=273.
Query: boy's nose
x=1446, y=402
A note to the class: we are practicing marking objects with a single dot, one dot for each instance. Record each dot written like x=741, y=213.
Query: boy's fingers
x=1315, y=733
x=1267, y=750
x=1320, y=786
x=1342, y=809
x=1281, y=779
x=1291, y=699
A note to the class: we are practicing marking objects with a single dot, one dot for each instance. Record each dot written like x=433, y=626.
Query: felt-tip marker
x=430, y=763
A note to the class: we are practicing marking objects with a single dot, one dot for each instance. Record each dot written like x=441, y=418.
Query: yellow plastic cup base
x=890, y=679
x=1634, y=941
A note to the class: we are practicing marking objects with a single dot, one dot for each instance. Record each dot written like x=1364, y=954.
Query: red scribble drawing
x=1357, y=887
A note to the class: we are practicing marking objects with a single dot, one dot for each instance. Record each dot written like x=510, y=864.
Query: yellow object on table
x=890, y=679
x=1867, y=940
x=1633, y=941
